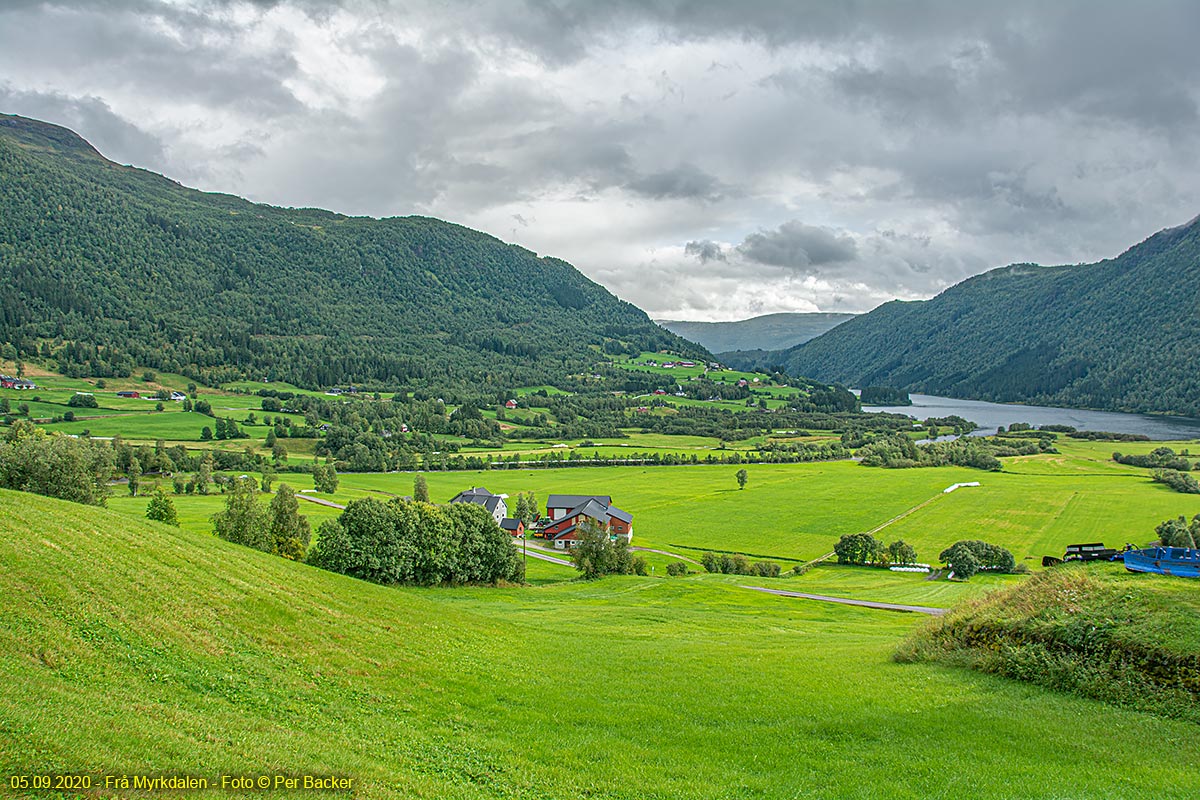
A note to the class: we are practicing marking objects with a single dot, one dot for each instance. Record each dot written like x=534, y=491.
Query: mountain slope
x=108, y=267
x=1119, y=334
x=768, y=332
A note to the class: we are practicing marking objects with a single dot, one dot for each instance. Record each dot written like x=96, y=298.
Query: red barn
x=567, y=512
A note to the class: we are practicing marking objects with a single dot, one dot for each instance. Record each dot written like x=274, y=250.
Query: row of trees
x=737, y=564
x=1178, y=481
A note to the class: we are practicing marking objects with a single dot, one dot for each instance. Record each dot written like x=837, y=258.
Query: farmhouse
x=566, y=512
x=514, y=526
x=178, y=397
x=494, y=503
x=129, y=394
x=510, y=404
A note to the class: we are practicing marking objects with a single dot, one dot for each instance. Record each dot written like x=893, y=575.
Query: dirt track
x=936, y=612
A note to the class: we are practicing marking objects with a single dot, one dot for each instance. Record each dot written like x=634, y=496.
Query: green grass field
x=132, y=647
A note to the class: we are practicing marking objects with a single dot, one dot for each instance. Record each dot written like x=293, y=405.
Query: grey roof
x=573, y=500
x=617, y=513
x=480, y=497
x=510, y=524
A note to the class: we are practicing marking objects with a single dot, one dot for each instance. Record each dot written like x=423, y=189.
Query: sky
x=704, y=159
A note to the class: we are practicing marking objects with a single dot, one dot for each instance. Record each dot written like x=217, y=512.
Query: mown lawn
x=129, y=647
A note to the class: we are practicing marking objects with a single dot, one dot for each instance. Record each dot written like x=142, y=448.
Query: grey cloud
x=684, y=182
x=705, y=250
x=795, y=245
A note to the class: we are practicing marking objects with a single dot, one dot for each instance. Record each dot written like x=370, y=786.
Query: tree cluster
x=865, y=549
x=403, y=541
x=597, y=554
x=968, y=556
x=278, y=529
x=54, y=465
x=1179, y=532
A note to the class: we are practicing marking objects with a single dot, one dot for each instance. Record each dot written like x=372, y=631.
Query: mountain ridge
x=113, y=267
x=765, y=332
x=1111, y=335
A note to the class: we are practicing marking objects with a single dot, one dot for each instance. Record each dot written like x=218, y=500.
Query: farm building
x=494, y=503
x=510, y=404
x=514, y=526
x=566, y=512
x=129, y=394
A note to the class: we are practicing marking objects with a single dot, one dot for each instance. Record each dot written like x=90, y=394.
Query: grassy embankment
x=128, y=646
x=1097, y=631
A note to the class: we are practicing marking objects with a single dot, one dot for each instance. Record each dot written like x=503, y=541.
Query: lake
x=990, y=416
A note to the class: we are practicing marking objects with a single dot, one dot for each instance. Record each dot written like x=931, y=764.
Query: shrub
x=766, y=569
x=639, y=566
x=82, y=401
x=161, y=509
x=677, y=568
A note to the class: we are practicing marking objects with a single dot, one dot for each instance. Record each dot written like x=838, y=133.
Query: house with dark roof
x=564, y=522
x=514, y=526
x=558, y=505
x=494, y=503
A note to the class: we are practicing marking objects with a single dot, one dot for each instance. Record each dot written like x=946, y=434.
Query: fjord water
x=990, y=416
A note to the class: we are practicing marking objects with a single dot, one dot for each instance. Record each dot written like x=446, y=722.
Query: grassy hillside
x=1097, y=631
x=1111, y=335
x=110, y=267
x=768, y=332
x=137, y=648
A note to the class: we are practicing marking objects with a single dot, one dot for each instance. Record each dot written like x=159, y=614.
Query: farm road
x=936, y=612
x=319, y=501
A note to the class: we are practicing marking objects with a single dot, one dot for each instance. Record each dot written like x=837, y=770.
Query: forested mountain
x=1120, y=334
x=768, y=332
x=109, y=267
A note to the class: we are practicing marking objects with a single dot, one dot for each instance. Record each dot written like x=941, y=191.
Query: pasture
x=160, y=650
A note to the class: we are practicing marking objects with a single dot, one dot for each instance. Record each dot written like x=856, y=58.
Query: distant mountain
x=1120, y=334
x=108, y=267
x=768, y=332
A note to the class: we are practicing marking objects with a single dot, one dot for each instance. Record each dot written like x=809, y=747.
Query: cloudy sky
x=704, y=159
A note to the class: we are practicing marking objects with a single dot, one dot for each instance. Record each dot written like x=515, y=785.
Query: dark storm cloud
x=797, y=246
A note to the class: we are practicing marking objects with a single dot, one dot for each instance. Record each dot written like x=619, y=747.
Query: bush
x=82, y=401
x=677, y=568
x=161, y=509
x=766, y=569
x=639, y=566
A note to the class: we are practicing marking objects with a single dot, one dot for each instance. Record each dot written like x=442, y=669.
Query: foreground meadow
x=130, y=646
